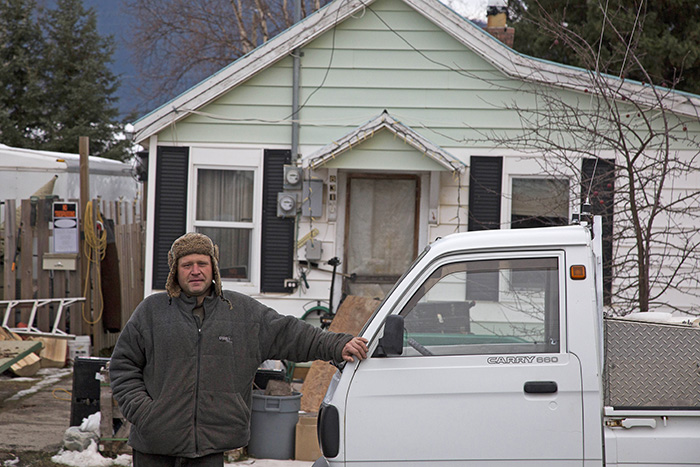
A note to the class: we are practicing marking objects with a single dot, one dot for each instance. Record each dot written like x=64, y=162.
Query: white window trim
x=507, y=194
x=517, y=164
x=222, y=159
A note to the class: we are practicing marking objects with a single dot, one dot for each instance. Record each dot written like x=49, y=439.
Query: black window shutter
x=170, y=216
x=598, y=185
x=277, y=232
x=485, y=175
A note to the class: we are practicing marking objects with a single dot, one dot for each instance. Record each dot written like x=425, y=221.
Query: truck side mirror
x=391, y=342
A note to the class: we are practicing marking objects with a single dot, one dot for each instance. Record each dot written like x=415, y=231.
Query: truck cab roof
x=537, y=238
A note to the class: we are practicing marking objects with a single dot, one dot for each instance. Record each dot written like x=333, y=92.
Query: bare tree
x=177, y=43
x=651, y=150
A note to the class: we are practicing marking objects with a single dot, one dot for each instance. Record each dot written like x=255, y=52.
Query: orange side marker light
x=578, y=272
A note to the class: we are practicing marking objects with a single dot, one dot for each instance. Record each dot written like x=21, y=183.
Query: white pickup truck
x=492, y=350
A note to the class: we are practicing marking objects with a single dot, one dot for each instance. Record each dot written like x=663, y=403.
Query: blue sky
x=114, y=20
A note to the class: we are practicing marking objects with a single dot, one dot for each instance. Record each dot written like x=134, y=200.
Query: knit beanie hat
x=192, y=243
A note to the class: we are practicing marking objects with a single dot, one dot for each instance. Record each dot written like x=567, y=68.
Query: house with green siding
x=357, y=137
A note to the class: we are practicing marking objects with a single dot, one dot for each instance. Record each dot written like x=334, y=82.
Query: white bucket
x=79, y=347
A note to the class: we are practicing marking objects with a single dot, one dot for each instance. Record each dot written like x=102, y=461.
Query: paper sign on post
x=65, y=227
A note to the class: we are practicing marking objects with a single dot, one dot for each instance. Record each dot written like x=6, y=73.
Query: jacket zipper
x=196, y=387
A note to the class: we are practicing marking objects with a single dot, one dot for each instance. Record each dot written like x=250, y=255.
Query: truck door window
x=461, y=309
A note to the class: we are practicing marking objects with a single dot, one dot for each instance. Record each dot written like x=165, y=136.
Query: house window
x=224, y=212
x=539, y=202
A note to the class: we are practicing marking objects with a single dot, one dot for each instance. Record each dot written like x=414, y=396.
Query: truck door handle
x=632, y=422
x=541, y=387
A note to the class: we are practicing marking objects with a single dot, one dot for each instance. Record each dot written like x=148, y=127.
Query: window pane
x=225, y=195
x=234, y=251
x=539, y=202
x=460, y=309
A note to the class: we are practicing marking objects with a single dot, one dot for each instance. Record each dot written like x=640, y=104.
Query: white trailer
x=24, y=171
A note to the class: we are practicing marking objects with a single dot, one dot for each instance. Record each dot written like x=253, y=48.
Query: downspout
x=296, y=66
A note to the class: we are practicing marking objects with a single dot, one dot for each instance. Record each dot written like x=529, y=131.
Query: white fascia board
x=150, y=217
x=366, y=131
x=247, y=66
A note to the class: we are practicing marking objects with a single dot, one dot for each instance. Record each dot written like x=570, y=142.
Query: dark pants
x=142, y=459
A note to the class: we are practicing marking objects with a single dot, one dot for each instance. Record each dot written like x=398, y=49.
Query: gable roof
x=503, y=58
x=384, y=122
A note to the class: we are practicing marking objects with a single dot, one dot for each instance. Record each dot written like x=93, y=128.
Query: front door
x=484, y=379
x=381, y=231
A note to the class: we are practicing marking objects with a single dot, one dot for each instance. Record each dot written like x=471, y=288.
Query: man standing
x=182, y=370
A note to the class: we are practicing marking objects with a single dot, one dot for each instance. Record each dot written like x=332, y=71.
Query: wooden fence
x=115, y=282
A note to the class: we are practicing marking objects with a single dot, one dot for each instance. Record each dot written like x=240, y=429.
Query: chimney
x=496, y=22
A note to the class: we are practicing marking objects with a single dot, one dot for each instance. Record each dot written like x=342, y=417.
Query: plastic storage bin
x=273, y=425
x=78, y=347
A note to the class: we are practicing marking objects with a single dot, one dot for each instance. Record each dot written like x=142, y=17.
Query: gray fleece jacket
x=188, y=391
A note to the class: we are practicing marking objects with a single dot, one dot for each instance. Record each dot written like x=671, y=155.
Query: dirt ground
x=34, y=415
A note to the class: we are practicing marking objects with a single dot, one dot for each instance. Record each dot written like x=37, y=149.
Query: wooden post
x=84, y=149
x=96, y=316
x=10, y=268
x=75, y=289
x=26, y=262
x=43, y=320
x=111, y=441
x=59, y=291
x=117, y=212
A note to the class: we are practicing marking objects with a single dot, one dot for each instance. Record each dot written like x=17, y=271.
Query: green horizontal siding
x=351, y=74
x=384, y=151
x=388, y=41
x=405, y=58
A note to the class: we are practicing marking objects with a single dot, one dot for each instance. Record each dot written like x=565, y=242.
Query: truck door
x=484, y=377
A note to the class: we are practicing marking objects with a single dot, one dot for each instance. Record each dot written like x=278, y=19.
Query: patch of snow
x=91, y=423
x=662, y=317
x=90, y=458
x=17, y=378
x=49, y=377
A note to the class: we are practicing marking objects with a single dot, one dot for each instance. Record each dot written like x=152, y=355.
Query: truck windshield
x=488, y=306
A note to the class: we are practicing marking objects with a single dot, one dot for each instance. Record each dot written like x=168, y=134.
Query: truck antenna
x=584, y=217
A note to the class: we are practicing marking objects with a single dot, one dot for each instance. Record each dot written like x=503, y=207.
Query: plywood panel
x=351, y=316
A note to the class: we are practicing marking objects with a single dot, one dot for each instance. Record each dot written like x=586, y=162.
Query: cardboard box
x=307, y=448
x=300, y=371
